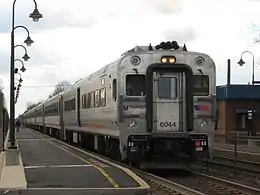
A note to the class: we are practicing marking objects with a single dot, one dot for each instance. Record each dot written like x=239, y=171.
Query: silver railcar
x=151, y=107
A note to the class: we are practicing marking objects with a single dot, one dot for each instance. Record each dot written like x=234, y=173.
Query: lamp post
x=241, y=63
x=35, y=15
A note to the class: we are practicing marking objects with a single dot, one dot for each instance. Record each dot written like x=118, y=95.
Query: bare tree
x=60, y=87
x=31, y=105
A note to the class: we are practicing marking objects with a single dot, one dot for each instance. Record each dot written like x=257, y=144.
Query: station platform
x=243, y=152
x=44, y=165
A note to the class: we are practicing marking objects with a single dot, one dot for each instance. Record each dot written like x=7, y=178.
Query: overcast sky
x=78, y=37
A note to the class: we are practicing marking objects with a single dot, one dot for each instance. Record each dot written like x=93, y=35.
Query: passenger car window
x=114, y=90
x=97, y=98
x=103, y=97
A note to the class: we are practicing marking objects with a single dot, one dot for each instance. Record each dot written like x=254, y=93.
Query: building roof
x=238, y=92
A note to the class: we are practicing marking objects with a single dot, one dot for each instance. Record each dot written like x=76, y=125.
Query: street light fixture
x=19, y=84
x=241, y=63
x=36, y=16
x=28, y=41
x=20, y=80
x=25, y=57
x=23, y=69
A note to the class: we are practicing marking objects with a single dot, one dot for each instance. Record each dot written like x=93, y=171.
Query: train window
x=83, y=101
x=167, y=87
x=97, y=98
x=103, y=97
x=135, y=85
x=92, y=100
x=89, y=100
x=70, y=105
x=52, y=109
x=114, y=92
x=102, y=81
x=201, y=85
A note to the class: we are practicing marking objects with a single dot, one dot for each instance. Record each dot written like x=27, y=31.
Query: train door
x=168, y=100
x=78, y=107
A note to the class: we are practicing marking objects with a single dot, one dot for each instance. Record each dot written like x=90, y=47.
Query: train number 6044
x=167, y=124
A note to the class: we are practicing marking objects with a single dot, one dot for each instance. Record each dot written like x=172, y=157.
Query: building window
x=242, y=122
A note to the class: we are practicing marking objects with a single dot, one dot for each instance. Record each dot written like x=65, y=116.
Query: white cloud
x=165, y=6
x=71, y=37
x=183, y=35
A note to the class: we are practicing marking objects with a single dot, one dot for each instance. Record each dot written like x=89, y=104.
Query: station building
x=238, y=109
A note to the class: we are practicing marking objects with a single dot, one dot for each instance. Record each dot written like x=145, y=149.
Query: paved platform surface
x=53, y=167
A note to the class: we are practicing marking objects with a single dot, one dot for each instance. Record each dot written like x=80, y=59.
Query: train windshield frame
x=201, y=85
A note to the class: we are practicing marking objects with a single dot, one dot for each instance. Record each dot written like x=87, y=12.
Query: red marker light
x=202, y=107
x=197, y=144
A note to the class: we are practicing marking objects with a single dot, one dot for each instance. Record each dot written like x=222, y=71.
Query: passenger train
x=153, y=107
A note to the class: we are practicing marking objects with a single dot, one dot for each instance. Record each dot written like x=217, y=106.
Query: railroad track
x=165, y=185
x=249, y=167
x=208, y=184
x=158, y=183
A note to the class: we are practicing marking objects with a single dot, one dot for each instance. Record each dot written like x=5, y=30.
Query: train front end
x=175, y=126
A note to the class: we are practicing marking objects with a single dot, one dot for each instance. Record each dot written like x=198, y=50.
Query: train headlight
x=135, y=60
x=168, y=59
x=200, y=61
x=203, y=123
x=132, y=123
x=164, y=60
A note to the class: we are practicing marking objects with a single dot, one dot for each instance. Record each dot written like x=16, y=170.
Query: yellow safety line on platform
x=102, y=171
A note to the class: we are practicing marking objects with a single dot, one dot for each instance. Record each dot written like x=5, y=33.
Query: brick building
x=235, y=102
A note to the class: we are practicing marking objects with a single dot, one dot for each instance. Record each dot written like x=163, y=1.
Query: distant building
x=235, y=105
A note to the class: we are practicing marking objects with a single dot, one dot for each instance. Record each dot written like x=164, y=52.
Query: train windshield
x=167, y=87
x=201, y=85
x=135, y=85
